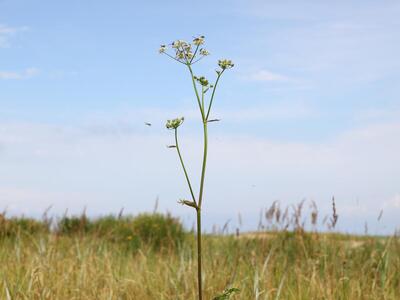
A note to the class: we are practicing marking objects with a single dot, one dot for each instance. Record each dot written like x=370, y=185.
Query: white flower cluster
x=175, y=123
x=225, y=64
x=204, y=52
x=186, y=52
x=199, y=40
x=162, y=49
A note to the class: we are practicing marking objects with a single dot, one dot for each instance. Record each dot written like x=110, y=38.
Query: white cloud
x=283, y=111
x=393, y=203
x=316, y=10
x=25, y=74
x=334, y=44
x=38, y=200
x=6, y=32
x=72, y=167
x=265, y=75
x=377, y=115
x=131, y=121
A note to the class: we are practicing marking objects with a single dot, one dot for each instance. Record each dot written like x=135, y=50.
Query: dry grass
x=286, y=265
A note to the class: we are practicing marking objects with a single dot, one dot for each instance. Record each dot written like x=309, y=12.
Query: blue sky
x=310, y=110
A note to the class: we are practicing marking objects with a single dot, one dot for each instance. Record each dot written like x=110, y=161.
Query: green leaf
x=226, y=294
x=188, y=203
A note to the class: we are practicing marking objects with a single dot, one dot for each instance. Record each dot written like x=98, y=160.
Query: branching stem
x=196, y=92
x=203, y=169
x=183, y=166
x=213, y=93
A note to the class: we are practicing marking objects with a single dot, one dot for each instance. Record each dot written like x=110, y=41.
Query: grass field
x=116, y=263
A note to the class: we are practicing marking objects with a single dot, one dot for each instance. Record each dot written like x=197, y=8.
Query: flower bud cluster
x=202, y=80
x=162, y=49
x=225, y=64
x=175, y=123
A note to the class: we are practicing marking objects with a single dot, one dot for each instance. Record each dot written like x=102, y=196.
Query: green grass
x=273, y=265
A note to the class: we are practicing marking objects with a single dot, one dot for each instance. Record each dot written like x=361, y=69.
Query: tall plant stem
x=200, y=101
x=199, y=269
x=198, y=211
x=184, y=55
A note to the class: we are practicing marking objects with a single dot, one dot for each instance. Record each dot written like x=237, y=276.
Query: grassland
x=116, y=260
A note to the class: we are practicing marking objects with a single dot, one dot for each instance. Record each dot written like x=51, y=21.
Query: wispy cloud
x=335, y=44
x=282, y=111
x=377, y=114
x=25, y=74
x=6, y=32
x=393, y=203
x=265, y=75
x=103, y=167
x=130, y=121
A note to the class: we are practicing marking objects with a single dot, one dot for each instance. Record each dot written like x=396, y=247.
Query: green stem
x=203, y=173
x=198, y=211
x=196, y=92
x=173, y=58
x=203, y=169
x=199, y=269
x=195, y=52
x=183, y=166
x=202, y=98
x=212, y=95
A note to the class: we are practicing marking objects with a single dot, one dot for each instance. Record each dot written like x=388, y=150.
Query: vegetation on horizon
x=94, y=260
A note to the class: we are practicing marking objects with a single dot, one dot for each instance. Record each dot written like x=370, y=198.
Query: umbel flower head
x=175, y=123
x=180, y=44
x=190, y=53
x=225, y=64
x=204, y=52
x=198, y=40
x=184, y=51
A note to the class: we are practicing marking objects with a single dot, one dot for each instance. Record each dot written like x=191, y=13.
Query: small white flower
x=179, y=43
x=189, y=55
x=199, y=40
x=225, y=64
x=162, y=49
x=180, y=55
x=175, y=123
x=187, y=47
x=204, y=52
